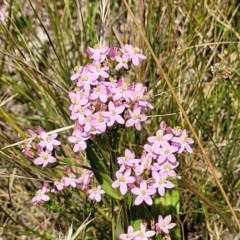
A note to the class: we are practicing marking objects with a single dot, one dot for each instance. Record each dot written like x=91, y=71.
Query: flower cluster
x=82, y=183
x=39, y=149
x=162, y=226
x=153, y=171
x=100, y=99
x=70, y=180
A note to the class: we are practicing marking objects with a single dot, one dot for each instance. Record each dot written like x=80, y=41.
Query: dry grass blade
x=79, y=230
x=207, y=201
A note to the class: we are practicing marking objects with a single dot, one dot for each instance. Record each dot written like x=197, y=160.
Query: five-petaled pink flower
x=128, y=160
x=133, y=53
x=79, y=139
x=98, y=52
x=129, y=235
x=142, y=234
x=163, y=225
x=123, y=180
x=143, y=193
x=161, y=182
x=45, y=158
x=41, y=196
x=122, y=62
x=160, y=138
x=135, y=118
x=114, y=114
x=70, y=180
x=166, y=152
x=184, y=142
x=95, y=193
x=48, y=141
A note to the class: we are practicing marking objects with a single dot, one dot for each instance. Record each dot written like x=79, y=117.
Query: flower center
x=100, y=119
x=113, y=112
x=48, y=139
x=96, y=46
x=143, y=192
x=136, y=116
x=77, y=140
x=166, y=151
x=45, y=156
x=185, y=139
x=159, y=137
x=121, y=179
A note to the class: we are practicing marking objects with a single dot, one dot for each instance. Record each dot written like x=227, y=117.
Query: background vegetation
x=41, y=43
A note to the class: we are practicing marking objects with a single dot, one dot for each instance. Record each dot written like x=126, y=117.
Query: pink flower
x=79, y=139
x=85, y=177
x=163, y=225
x=145, y=163
x=86, y=121
x=123, y=180
x=128, y=160
x=149, y=149
x=143, y=234
x=113, y=51
x=45, y=158
x=58, y=186
x=114, y=114
x=135, y=118
x=138, y=94
x=100, y=92
x=95, y=194
x=184, y=142
x=159, y=138
x=41, y=196
x=165, y=167
x=48, y=141
x=99, y=122
x=77, y=74
x=161, y=182
x=28, y=147
x=79, y=97
x=166, y=152
x=96, y=70
x=143, y=193
x=176, y=131
x=163, y=125
x=133, y=53
x=78, y=112
x=98, y=53
x=86, y=81
x=122, y=62
x=129, y=235
x=70, y=180
x=122, y=90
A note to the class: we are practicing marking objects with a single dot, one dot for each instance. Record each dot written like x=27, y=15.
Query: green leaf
x=237, y=184
x=136, y=224
x=119, y=229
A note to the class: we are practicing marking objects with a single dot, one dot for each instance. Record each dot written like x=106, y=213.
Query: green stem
x=113, y=220
x=112, y=171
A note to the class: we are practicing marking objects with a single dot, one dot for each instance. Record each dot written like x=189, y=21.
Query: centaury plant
x=97, y=140
x=103, y=105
